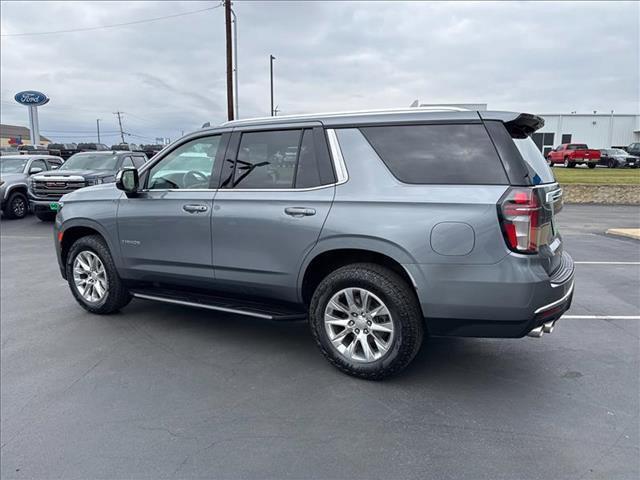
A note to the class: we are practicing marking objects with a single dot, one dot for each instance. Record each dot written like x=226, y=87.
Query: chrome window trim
x=342, y=175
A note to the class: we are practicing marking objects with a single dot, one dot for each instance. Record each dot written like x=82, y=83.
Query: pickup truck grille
x=54, y=189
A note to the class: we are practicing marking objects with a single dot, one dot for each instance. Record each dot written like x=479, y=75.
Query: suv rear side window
x=438, y=154
x=267, y=159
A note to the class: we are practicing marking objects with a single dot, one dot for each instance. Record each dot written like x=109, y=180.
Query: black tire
x=46, y=216
x=117, y=295
x=550, y=162
x=401, y=302
x=17, y=206
x=612, y=164
x=591, y=165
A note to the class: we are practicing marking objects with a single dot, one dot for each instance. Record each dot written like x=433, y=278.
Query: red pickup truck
x=572, y=154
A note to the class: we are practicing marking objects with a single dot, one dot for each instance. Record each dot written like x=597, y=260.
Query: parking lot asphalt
x=160, y=391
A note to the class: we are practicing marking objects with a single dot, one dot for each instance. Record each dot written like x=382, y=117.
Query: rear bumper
x=507, y=299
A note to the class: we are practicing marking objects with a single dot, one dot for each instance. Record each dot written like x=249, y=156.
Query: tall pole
x=227, y=20
x=98, y=127
x=120, y=123
x=271, y=59
x=235, y=61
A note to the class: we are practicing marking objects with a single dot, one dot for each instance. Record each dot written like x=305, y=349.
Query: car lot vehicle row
x=378, y=227
x=81, y=170
x=15, y=171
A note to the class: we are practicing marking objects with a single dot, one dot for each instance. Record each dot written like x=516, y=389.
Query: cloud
x=168, y=76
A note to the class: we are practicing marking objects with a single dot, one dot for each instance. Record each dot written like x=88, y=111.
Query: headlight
x=95, y=181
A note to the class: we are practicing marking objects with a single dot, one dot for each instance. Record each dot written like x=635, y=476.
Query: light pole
x=98, y=127
x=235, y=60
x=271, y=59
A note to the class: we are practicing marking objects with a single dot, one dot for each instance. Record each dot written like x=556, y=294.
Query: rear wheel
x=591, y=165
x=17, y=206
x=366, y=320
x=93, y=278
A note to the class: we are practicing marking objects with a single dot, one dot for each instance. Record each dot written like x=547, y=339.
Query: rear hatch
x=528, y=210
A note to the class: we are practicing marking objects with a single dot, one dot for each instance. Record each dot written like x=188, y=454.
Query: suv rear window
x=438, y=154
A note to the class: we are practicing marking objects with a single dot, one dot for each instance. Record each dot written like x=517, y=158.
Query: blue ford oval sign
x=30, y=98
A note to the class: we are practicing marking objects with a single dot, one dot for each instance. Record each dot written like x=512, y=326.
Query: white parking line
x=607, y=263
x=602, y=317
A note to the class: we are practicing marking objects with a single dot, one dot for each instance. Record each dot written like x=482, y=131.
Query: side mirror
x=34, y=170
x=127, y=180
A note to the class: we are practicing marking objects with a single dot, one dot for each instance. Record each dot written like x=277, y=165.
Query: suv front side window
x=188, y=166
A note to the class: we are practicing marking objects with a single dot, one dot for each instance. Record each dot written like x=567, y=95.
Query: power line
x=87, y=29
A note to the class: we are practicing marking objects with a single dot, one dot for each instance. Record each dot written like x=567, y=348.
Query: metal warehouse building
x=597, y=130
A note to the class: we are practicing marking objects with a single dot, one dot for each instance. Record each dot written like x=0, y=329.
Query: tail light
x=519, y=211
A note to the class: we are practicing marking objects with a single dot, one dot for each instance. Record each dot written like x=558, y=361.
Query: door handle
x=300, y=211
x=192, y=208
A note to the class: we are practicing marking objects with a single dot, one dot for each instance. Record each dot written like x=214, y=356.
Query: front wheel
x=568, y=163
x=366, y=320
x=93, y=278
x=612, y=164
x=17, y=206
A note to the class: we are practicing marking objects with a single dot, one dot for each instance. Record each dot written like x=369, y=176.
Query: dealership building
x=14, y=135
x=597, y=130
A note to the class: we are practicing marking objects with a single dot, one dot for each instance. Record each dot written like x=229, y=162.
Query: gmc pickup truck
x=572, y=154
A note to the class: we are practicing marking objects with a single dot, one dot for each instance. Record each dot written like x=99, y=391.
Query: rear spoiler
x=524, y=125
x=519, y=125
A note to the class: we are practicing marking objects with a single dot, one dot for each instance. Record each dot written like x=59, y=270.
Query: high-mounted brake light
x=519, y=212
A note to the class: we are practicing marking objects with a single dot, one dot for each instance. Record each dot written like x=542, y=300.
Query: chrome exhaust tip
x=536, y=332
x=548, y=327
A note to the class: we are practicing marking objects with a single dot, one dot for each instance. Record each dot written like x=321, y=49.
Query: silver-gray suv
x=379, y=227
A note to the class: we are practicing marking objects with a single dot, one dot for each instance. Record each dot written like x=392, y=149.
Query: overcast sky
x=169, y=75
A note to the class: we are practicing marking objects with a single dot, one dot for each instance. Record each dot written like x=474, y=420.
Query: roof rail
x=351, y=113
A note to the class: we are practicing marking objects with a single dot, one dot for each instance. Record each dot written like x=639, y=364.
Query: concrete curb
x=625, y=232
x=603, y=194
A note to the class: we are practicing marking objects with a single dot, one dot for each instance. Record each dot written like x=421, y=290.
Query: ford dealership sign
x=30, y=98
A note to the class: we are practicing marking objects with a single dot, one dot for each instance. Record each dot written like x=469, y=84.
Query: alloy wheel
x=90, y=276
x=359, y=325
x=19, y=207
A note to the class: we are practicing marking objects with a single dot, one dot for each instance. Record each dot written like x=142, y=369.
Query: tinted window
x=566, y=137
x=538, y=167
x=127, y=162
x=440, y=154
x=139, y=161
x=267, y=159
x=308, y=172
x=188, y=166
x=54, y=163
x=577, y=146
x=39, y=164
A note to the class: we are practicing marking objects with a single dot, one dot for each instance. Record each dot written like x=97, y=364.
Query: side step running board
x=219, y=304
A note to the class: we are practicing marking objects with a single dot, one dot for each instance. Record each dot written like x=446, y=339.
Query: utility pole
x=120, y=123
x=227, y=20
x=98, y=125
x=235, y=62
x=271, y=59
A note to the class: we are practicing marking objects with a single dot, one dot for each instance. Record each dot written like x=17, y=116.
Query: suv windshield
x=12, y=165
x=90, y=161
x=541, y=173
